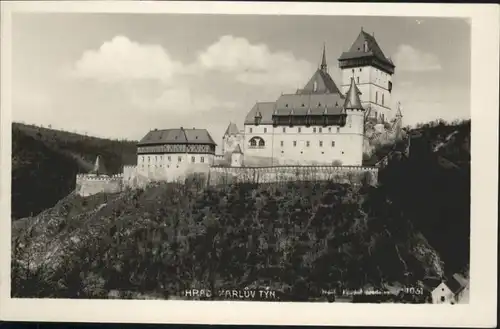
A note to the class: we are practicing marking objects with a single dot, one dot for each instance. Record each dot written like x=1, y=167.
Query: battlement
x=94, y=177
x=88, y=184
x=268, y=174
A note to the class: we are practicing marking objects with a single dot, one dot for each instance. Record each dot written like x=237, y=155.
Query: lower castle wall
x=341, y=174
x=89, y=184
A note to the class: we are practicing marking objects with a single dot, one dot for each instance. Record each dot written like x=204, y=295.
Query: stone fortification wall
x=341, y=174
x=89, y=184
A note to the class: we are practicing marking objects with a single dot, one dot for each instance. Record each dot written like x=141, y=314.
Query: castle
x=320, y=128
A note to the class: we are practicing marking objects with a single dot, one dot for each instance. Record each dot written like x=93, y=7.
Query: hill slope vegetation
x=45, y=162
x=296, y=237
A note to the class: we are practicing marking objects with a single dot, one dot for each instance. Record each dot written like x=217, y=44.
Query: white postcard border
x=480, y=312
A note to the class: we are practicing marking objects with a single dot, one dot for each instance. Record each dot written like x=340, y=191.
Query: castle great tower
x=372, y=71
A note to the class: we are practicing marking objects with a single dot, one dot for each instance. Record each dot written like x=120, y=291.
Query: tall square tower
x=372, y=72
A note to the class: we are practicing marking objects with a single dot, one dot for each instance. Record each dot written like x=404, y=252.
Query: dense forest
x=294, y=237
x=43, y=157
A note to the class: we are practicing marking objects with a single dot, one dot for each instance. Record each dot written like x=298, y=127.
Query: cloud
x=408, y=58
x=121, y=60
x=254, y=64
x=181, y=100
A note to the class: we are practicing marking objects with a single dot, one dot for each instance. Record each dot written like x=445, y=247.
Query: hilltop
x=43, y=158
x=296, y=237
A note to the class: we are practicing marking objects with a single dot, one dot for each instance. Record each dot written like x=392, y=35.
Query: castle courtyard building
x=169, y=153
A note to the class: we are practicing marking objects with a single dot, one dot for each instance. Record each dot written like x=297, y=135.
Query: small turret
x=237, y=157
x=98, y=167
x=352, y=101
x=324, y=66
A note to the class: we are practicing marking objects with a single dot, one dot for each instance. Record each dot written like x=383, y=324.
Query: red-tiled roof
x=177, y=136
x=357, y=49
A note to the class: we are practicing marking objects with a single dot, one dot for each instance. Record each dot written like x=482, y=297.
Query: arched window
x=376, y=97
x=382, y=99
x=257, y=142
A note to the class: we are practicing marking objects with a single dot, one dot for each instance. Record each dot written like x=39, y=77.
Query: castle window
x=253, y=142
x=250, y=130
x=299, y=129
x=329, y=129
x=320, y=143
x=286, y=105
x=192, y=159
x=294, y=143
x=302, y=104
x=202, y=159
x=282, y=143
x=262, y=143
x=333, y=143
x=360, y=69
x=284, y=130
x=319, y=104
x=320, y=130
x=442, y=299
x=357, y=79
x=314, y=130
x=179, y=159
x=382, y=99
x=308, y=143
x=376, y=97
x=389, y=86
x=265, y=130
x=169, y=158
x=149, y=160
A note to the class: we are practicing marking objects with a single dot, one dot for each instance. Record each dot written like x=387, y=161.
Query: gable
x=324, y=84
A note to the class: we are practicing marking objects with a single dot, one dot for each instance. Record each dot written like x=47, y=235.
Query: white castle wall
x=132, y=177
x=374, y=87
x=314, y=145
x=89, y=184
x=340, y=174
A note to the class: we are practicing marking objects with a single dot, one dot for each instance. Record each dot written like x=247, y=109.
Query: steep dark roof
x=324, y=84
x=357, y=49
x=454, y=285
x=266, y=109
x=352, y=100
x=177, y=136
x=300, y=104
x=232, y=129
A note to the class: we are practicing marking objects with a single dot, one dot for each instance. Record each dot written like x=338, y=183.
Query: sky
x=121, y=75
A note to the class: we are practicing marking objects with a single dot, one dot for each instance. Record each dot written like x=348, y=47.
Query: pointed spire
x=98, y=166
x=398, y=113
x=352, y=100
x=323, y=59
